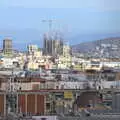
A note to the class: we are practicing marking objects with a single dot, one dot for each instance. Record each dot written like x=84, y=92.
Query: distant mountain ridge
x=108, y=47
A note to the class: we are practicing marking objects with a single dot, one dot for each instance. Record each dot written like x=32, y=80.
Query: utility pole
x=12, y=94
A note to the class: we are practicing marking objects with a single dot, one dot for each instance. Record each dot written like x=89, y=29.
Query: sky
x=78, y=20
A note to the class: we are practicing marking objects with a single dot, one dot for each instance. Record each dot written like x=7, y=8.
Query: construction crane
x=50, y=23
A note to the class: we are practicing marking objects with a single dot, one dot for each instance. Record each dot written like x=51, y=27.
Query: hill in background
x=109, y=47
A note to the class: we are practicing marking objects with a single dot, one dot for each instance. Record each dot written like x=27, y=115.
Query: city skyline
x=78, y=21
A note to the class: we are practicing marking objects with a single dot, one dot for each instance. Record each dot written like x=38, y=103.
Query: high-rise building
x=46, y=45
x=7, y=46
x=66, y=50
x=53, y=45
x=32, y=48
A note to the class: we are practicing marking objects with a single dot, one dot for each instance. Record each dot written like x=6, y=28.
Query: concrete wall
x=74, y=85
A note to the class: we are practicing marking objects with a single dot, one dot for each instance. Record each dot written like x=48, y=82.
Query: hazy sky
x=79, y=20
